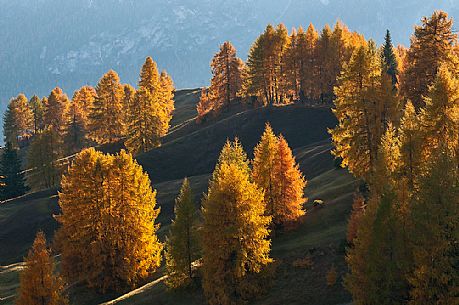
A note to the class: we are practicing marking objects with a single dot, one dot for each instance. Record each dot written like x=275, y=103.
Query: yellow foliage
x=359, y=108
x=106, y=118
x=276, y=172
x=440, y=117
x=39, y=284
x=108, y=235
x=18, y=120
x=235, y=232
x=289, y=185
x=149, y=110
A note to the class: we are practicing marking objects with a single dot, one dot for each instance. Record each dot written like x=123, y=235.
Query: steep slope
x=191, y=150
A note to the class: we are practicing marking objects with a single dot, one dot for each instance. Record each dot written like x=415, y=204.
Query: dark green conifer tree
x=12, y=177
x=182, y=242
x=389, y=60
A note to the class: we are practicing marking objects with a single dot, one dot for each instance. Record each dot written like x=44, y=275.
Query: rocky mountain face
x=70, y=43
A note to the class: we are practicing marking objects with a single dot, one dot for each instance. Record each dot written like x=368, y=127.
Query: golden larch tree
x=292, y=63
x=358, y=208
x=434, y=235
x=143, y=123
x=410, y=145
x=76, y=130
x=150, y=110
x=39, y=282
x=440, y=116
x=149, y=75
x=263, y=164
x=106, y=117
x=56, y=107
x=358, y=108
x=85, y=97
x=232, y=152
x=43, y=151
x=129, y=93
x=266, y=65
x=108, y=231
x=431, y=44
x=226, y=79
x=166, y=91
x=205, y=104
x=38, y=109
x=307, y=45
x=235, y=232
x=17, y=120
x=289, y=185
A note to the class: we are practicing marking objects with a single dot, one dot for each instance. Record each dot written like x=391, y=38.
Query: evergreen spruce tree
x=390, y=64
x=39, y=282
x=12, y=177
x=182, y=242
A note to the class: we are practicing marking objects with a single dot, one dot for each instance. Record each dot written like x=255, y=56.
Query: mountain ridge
x=72, y=43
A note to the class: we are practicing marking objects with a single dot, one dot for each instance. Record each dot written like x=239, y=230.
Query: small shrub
x=332, y=277
x=305, y=262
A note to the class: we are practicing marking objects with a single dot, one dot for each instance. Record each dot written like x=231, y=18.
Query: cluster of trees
x=55, y=127
x=281, y=68
x=108, y=235
x=238, y=214
x=400, y=135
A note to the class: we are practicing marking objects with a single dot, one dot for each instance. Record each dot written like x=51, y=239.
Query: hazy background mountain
x=69, y=43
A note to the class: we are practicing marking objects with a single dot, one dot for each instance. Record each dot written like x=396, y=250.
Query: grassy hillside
x=191, y=150
x=194, y=148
